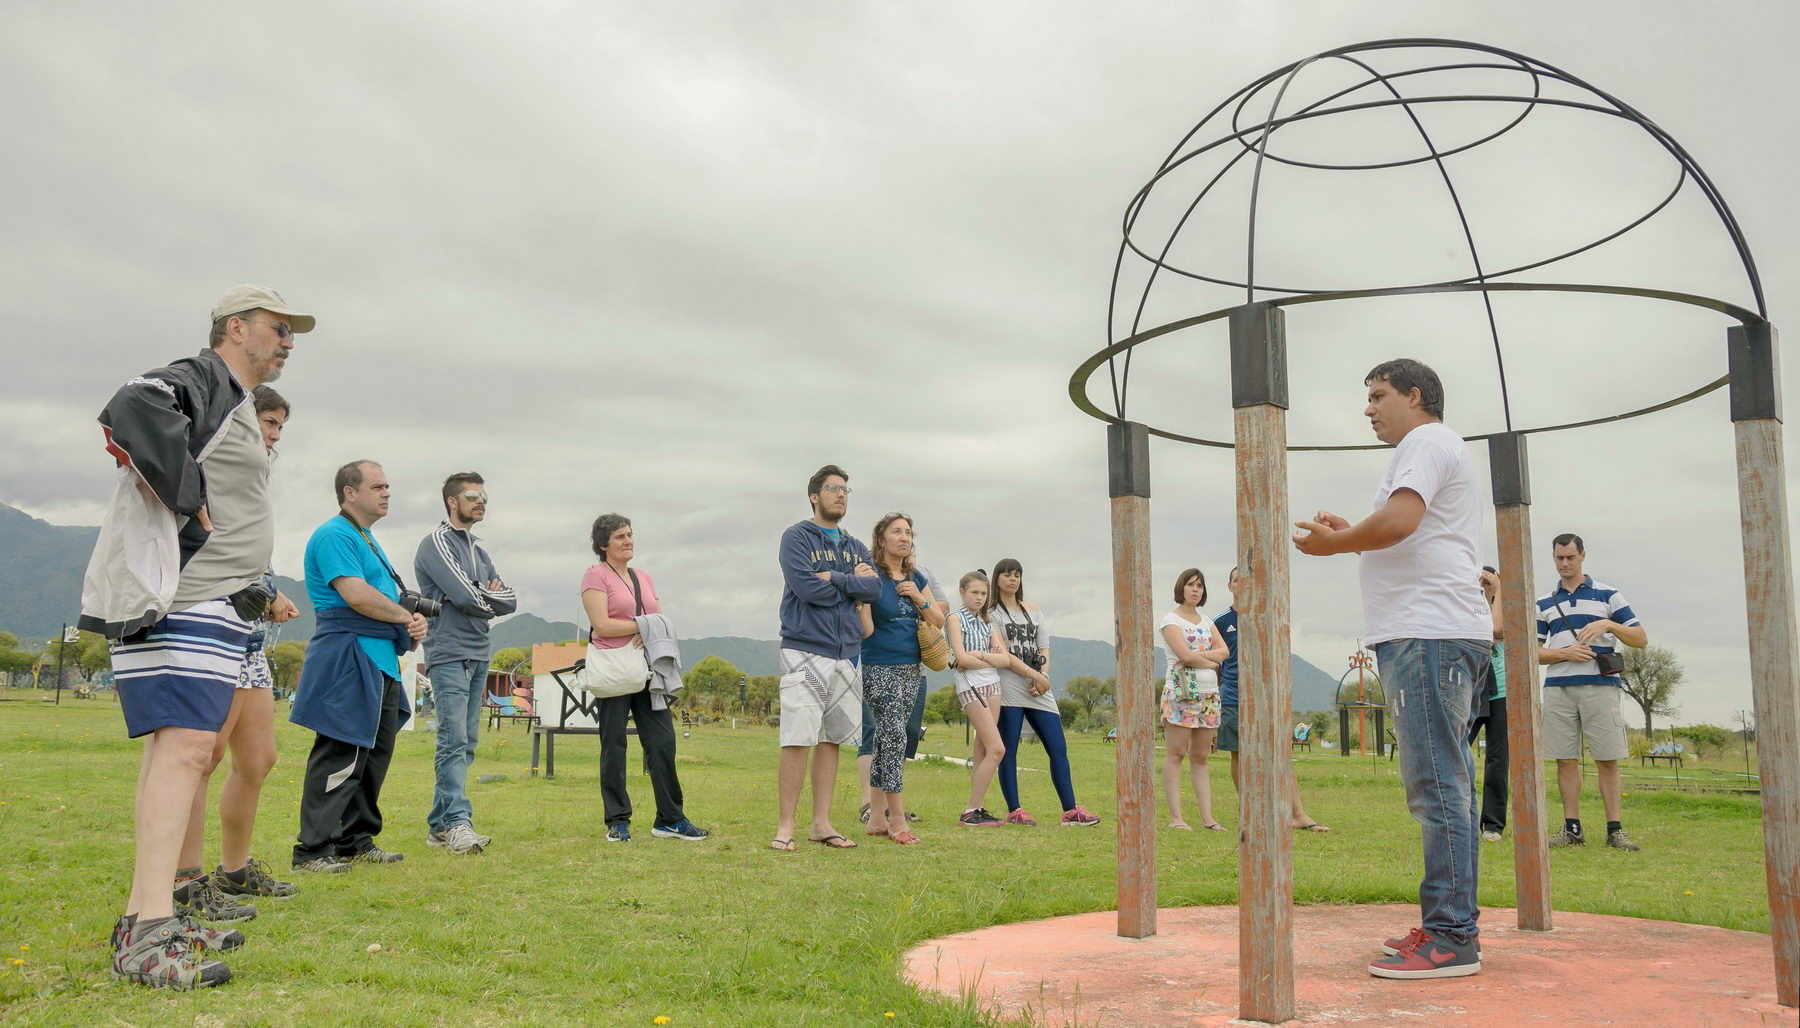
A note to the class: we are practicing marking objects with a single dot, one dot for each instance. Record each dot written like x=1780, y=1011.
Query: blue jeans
x=1049, y=731
x=1433, y=688
x=457, y=687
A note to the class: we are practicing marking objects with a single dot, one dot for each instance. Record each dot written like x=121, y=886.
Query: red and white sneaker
x=1079, y=818
x=1411, y=939
x=1424, y=955
x=1020, y=817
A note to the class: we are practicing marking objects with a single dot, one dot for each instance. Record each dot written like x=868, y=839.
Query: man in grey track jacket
x=453, y=569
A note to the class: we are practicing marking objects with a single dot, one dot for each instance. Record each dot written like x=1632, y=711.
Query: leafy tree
x=511, y=659
x=1321, y=724
x=712, y=683
x=1069, y=709
x=8, y=641
x=1711, y=738
x=943, y=706
x=285, y=659
x=1093, y=695
x=762, y=695
x=1651, y=675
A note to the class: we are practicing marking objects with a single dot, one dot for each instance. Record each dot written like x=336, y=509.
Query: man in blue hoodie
x=452, y=568
x=825, y=573
x=349, y=691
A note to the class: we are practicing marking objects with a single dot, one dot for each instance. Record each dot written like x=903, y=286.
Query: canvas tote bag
x=619, y=670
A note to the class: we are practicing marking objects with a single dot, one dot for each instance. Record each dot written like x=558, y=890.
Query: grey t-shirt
x=242, y=512
x=1024, y=633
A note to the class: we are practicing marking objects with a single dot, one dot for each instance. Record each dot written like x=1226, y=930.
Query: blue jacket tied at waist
x=340, y=690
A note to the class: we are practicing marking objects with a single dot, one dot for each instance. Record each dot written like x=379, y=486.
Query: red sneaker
x=1020, y=817
x=1429, y=957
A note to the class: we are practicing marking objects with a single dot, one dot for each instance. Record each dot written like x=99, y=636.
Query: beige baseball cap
x=250, y=297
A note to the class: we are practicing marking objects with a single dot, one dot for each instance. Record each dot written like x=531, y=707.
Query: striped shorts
x=183, y=671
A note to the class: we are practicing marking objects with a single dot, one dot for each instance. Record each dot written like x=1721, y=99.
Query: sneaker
x=218, y=940
x=458, y=838
x=202, y=899
x=1426, y=956
x=484, y=841
x=978, y=817
x=682, y=829
x=618, y=833
x=1490, y=836
x=251, y=880
x=1564, y=837
x=373, y=854
x=1020, y=817
x=322, y=865
x=160, y=956
x=1620, y=841
x=1079, y=818
x=1393, y=946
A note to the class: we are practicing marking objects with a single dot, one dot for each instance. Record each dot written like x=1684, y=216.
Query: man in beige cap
x=175, y=580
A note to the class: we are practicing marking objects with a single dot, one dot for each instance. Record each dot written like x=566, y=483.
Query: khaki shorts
x=1571, y=711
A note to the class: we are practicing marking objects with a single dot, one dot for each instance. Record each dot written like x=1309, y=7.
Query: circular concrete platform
x=1592, y=970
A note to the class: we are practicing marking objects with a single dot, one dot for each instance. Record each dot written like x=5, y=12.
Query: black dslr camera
x=1035, y=660
x=413, y=603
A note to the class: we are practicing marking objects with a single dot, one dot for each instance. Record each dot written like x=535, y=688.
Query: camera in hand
x=1035, y=661
x=1610, y=664
x=252, y=601
x=413, y=603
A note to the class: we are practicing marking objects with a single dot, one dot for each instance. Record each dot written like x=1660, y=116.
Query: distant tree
x=762, y=695
x=1651, y=675
x=943, y=706
x=8, y=641
x=712, y=683
x=284, y=664
x=511, y=660
x=1069, y=709
x=1094, y=695
x=16, y=665
x=1713, y=737
x=1321, y=724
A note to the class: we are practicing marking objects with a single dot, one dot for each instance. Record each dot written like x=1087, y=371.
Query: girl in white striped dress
x=977, y=655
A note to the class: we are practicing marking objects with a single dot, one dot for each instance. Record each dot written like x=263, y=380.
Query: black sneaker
x=373, y=854
x=322, y=865
x=1620, y=841
x=202, y=899
x=251, y=880
x=978, y=818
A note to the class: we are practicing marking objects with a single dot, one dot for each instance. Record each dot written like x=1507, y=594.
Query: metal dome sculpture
x=1249, y=128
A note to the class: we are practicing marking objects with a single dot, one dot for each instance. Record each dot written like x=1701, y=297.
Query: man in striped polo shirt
x=1579, y=623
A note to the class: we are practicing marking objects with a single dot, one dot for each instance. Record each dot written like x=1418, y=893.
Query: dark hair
x=878, y=550
x=267, y=399
x=817, y=481
x=453, y=481
x=604, y=527
x=1405, y=375
x=350, y=476
x=977, y=575
x=1490, y=569
x=1003, y=566
x=1565, y=539
x=1181, y=583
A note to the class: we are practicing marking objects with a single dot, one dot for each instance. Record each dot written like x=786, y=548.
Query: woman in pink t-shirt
x=613, y=593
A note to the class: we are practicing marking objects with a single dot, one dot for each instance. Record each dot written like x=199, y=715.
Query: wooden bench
x=1664, y=754
x=574, y=701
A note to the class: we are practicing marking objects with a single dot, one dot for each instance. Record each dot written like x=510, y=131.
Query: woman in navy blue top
x=890, y=665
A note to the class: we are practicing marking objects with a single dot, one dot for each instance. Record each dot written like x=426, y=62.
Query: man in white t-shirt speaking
x=1430, y=628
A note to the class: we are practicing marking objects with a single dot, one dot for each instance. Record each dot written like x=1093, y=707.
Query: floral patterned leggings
x=889, y=690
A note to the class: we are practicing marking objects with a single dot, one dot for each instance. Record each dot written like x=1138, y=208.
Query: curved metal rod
x=1078, y=381
x=1262, y=149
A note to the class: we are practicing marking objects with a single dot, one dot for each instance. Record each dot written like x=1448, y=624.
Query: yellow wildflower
x=660, y=1019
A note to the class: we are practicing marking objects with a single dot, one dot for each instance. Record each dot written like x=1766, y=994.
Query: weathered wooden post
x=1128, y=481
x=1509, y=468
x=1774, y=648
x=1259, y=394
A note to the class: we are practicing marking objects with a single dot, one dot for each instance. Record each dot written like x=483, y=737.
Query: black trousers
x=1497, y=766
x=340, y=809
x=656, y=734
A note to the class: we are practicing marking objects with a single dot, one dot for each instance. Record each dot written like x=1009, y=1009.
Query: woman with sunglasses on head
x=249, y=733
x=890, y=667
x=1190, y=696
x=1022, y=698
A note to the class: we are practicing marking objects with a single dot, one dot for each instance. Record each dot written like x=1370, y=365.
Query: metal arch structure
x=1258, y=353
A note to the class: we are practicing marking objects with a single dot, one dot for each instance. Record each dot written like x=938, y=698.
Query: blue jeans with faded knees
x=1433, y=688
x=458, y=687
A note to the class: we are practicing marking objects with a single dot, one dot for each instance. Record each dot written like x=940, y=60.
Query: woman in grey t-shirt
x=1022, y=699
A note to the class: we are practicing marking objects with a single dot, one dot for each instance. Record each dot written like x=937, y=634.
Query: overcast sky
x=668, y=259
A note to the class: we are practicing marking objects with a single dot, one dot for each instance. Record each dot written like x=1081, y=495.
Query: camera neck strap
x=376, y=550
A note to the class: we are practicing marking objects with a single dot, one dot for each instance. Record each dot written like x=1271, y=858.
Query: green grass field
x=551, y=926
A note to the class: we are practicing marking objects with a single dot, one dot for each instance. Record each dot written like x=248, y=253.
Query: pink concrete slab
x=1592, y=970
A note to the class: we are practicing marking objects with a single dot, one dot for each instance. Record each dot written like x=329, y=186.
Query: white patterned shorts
x=821, y=700
x=254, y=674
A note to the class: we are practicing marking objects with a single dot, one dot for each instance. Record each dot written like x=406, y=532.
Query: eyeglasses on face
x=835, y=487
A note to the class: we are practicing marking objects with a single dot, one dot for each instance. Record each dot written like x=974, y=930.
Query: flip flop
x=1185, y=828
x=1214, y=827
x=872, y=831
x=905, y=838
x=782, y=845
x=835, y=842
x=1315, y=827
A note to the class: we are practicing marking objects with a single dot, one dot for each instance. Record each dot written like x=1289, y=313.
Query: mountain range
x=41, y=567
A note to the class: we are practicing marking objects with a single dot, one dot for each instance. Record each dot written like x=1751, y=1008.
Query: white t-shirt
x=1427, y=586
x=1199, y=638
